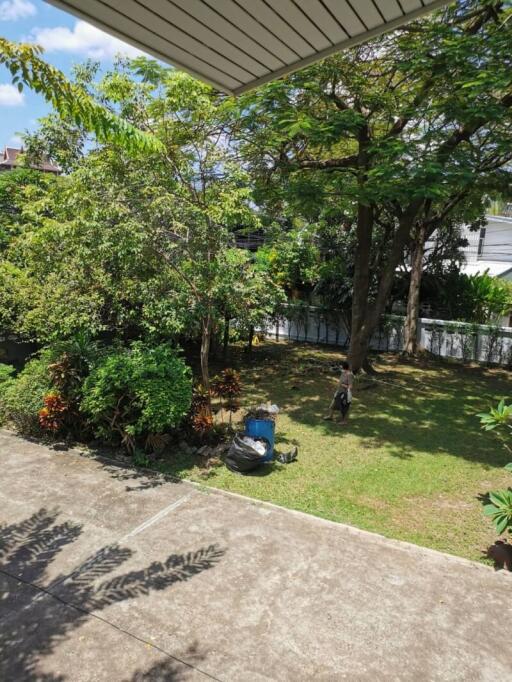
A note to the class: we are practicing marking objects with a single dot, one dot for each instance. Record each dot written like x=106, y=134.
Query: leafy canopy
x=71, y=101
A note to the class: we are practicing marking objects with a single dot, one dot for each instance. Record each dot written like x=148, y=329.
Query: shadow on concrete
x=170, y=670
x=35, y=619
x=119, y=467
x=136, y=480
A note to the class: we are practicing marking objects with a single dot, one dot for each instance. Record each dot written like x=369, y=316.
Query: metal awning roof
x=237, y=45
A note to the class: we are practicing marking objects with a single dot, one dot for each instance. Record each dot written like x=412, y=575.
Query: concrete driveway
x=110, y=574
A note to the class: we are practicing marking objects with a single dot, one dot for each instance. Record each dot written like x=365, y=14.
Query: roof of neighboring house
x=10, y=155
x=501, y=218
x=494, y=268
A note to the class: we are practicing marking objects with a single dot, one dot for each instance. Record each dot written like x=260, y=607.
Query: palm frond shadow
x=59, y=607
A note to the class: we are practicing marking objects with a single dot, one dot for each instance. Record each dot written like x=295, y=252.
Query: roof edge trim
x=343, y=45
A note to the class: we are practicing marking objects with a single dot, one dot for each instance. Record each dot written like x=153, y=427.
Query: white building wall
x=497, y=244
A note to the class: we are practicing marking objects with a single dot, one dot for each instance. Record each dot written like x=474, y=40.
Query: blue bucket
x=262, y=428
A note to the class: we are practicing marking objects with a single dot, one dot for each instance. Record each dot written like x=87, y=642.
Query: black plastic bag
x=243, y=458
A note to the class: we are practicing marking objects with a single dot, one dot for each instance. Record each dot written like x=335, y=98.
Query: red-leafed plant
x=53, y=415
x=202, y=423
x=200, y=419
x=227, y=386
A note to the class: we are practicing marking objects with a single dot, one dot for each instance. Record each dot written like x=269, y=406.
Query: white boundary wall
x=468, y=342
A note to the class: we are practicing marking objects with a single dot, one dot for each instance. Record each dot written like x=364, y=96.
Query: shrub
x=6, y=380
x=499, y=504
x=53, y=415
x=136, y=392
x=22, y=398
x=6, y=372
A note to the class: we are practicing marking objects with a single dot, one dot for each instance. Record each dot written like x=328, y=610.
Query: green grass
x=410, y=465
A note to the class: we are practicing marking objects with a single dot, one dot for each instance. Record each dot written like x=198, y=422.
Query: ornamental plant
x=53, y=415
x=499, y=506
x=227, y=386
x=200, y=417
x=137, y=391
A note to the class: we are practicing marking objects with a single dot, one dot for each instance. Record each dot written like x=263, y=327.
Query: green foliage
x=6, y=380
x=72, y=101
x=22, y=398
x=478, y=298
x=141, y=248
x=499, y=417
x=20, y=189
x=6, y=372
x=292, y=259
x=500, y=509
x=489, y=297
x=376, y=139
x=137, y=391
x=499, y=506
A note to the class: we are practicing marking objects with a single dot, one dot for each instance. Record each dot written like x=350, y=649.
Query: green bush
x=6, y=380
x=134, y=392
x=21, y=398
x=6, y=372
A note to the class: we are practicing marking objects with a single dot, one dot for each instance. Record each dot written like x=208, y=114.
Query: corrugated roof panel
x=171, y=12
x=229, y=31
x=302, y=21
x=368, y=13
x=266, y=15
x=410, y=5
x=390, y=9
x=265, y=35
x=161, y=29
x=346, y=16
x=237, y=45
x=323, y=19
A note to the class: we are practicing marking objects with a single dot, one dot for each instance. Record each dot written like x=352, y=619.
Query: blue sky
x=66, y=40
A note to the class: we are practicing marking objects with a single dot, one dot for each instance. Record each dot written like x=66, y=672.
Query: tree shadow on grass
x=433, y=411
x=35, y=619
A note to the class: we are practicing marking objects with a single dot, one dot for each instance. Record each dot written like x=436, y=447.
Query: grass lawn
x=410, y=465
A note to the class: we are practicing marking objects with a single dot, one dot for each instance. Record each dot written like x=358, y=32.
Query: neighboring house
x=9, y=161
x=490, y=250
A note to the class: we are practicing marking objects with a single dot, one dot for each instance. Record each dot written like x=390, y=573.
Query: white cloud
x=82, y=39
x=12, y=10
x=15, y=141
x=10, y=96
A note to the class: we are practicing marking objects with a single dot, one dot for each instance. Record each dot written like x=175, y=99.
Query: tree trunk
x=413, y=299
x=250, y=339
x=358, y=351
x=358, y=348
x=360, y=338
x=225, y=340
x=205, y=352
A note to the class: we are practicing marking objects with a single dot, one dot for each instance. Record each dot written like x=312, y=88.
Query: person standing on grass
x=343, y=396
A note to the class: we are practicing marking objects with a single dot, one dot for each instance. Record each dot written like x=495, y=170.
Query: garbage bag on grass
x=245, y=454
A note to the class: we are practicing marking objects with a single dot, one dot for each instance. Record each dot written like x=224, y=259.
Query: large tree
x=377, y=133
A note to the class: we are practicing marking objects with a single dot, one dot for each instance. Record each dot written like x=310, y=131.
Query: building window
x=481, y=241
